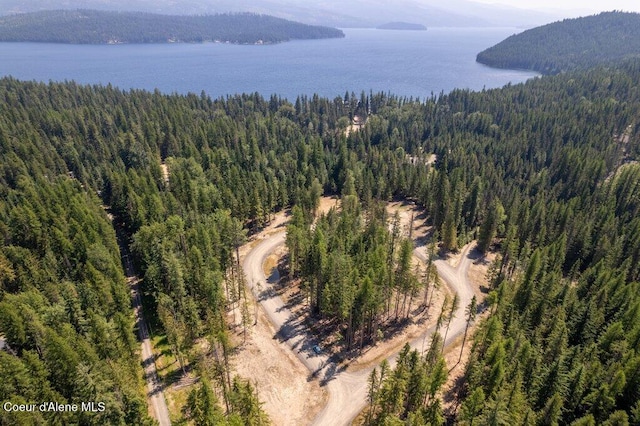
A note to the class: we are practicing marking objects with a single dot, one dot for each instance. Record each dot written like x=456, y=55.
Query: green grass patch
x=167, y=366
x=176, y=399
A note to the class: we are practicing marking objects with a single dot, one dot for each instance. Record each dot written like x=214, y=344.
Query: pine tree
x=490, y=226
x=452, y=313
x=449, y=234
x=472, y=407
x=551, y=412
x=202, y=406
x=372, y=395
x=471, y=315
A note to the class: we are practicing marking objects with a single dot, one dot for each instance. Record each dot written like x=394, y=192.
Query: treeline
x=569, y=44
x=100, y=27
x=408, y=394
x=542, y=172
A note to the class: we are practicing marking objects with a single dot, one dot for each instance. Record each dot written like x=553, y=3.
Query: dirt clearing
x=279, y=377
x=281, y=380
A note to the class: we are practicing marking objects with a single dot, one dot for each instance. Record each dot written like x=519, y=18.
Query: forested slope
x=100, y=27
x=569, y=44
x=556, y=155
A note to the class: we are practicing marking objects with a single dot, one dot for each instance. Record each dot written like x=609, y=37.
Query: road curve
x=300, y=343
x=347, y=390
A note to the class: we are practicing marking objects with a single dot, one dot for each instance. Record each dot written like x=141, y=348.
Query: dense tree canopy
x=545, y=173
x=570, y=44
x=64, y=308
x=354, y=269
x=100, y=27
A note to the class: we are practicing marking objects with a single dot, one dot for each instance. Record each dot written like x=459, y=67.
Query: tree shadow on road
x=331, y=372
x=292, y=328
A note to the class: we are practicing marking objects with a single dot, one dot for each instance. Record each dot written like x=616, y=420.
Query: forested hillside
x=571, y=44
x=100, y=27
x=543, y=173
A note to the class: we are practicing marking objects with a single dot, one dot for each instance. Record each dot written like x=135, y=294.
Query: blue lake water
x=405, y=63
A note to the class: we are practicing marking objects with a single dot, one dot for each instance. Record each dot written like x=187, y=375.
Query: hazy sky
x=592, y=5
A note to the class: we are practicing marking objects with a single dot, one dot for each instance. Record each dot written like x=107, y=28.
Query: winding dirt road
x=347, y=389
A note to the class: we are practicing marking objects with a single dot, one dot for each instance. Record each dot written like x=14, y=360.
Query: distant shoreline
x=100, y=27
x=403, y=26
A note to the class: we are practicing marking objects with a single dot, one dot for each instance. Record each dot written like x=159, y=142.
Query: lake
x=405, y=63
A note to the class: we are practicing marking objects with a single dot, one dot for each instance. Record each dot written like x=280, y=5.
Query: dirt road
x=347, y=390
x=155, y=397
x=297, y=339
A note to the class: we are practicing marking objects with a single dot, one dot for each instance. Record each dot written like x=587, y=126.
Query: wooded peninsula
x=571, y=44
x=102, y=27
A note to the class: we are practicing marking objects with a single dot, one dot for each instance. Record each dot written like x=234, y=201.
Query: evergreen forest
x=355, y=271
x=571, y=44
x=545, y=174
x=102, y=27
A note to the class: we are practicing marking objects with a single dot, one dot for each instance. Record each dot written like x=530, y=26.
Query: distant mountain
x=569, y=44
x=336, y=13
x=100, y=27
x=402, y=26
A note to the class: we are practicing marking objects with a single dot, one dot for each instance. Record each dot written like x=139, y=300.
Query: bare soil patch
x=408, y=210
x=282, y=382
x=326, y=204
x=479, y=278
x=165, y=172
x=479, y=275
x=270, y=263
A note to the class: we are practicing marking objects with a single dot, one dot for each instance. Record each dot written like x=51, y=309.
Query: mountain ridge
x=346, y=14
